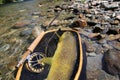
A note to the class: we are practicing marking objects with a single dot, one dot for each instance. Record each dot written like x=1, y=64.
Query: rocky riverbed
x=98, y=23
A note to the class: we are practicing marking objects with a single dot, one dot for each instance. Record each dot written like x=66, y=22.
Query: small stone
x=36, y=13
x=57, y=8
x=40, y=5
x=113, y=37
x=99, y=50
x=5, y=47
x=107, y=46
x=87, y=11
x=115, y=22
x=23, y=10
x=91, y=54
x=79, y=23
x=81, y=16
x=89, y=47
x=118, y=17
x=106, y=17
x=114, y=14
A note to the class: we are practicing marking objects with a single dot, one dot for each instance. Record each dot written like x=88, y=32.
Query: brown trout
x=63, y=61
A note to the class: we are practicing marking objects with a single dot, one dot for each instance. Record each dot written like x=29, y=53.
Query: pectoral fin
x=47, y=60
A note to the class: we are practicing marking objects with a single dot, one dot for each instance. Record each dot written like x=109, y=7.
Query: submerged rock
x=36, y=31
x=26, y=32
x=4, y=47
x=21, y=24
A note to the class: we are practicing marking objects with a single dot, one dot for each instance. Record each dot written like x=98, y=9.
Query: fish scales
x=64, y=58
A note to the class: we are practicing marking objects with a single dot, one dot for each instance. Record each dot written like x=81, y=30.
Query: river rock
x=114, y=22
x=94, y=63
x=37, y=13
x=118, y=17
x=110, y=6
x=111, y=62
x=100, y=75
x=113, y=37
x=57, y=9
x=99, y=49
x=91, y=54
x=115, y=44
x=79, y=23
x=21, y=24
x=26, y=33
x=4, y=47
x=89, y=47
x=36, y=31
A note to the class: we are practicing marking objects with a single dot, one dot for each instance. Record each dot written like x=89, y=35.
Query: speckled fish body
x=64, y=58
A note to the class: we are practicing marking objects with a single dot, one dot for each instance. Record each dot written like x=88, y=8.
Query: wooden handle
x=36, y=41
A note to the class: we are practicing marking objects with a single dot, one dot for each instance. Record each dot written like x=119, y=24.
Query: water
x=11, y=43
